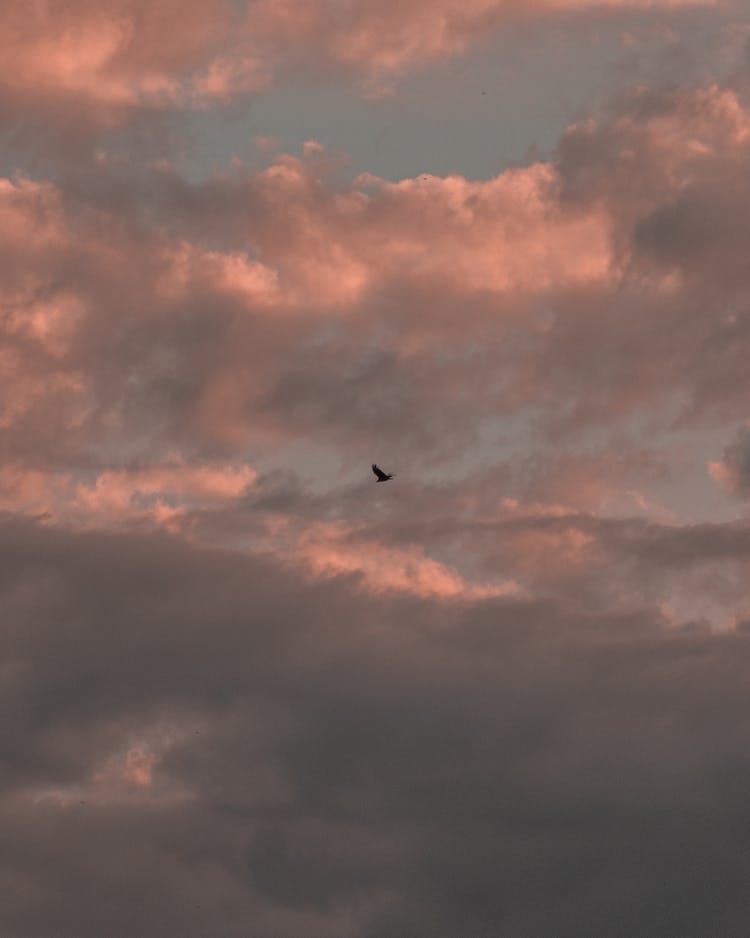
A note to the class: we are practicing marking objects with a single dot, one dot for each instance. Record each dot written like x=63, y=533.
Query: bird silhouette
x=382, y=476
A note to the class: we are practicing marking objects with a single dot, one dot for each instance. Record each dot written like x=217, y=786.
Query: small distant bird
x=382, y=476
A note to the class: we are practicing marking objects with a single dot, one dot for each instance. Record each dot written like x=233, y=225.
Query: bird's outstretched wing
x=382, y=477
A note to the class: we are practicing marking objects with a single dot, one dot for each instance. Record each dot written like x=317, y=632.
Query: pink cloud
x=110, y=57
x=159, y=494
x=116, y=53
x=310, y=252
x=559, y=271
x=332, y=549
x=379, y=40
x=187, y=268
x=387, y=37
x=138, y=769
x=506, y=235
x=232, y=661
x=130, y=774
x=276, y=307
x=732, y=472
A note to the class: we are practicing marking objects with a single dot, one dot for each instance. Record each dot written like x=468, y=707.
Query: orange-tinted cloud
x=116, y=53
x=159, y=494
x=110, y=57
x=330, y=549
x=245, y=689
x=147, y=352
x=76, y=318
x=279, y=303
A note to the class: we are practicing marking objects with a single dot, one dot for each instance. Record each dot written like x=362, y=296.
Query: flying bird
x=382, y=476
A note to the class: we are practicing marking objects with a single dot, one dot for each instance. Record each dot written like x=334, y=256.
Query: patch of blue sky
x=505, y=104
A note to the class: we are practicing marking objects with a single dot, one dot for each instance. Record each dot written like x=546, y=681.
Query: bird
x=382, y=476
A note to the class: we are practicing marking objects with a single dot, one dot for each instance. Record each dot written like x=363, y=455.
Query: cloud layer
x=287, y=300
x=104, y=60
x=246, y=690
x=278, y=755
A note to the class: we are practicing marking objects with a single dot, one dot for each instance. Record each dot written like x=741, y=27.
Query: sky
x=499, y=248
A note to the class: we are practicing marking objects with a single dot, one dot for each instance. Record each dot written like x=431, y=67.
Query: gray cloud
x=337, y=763
x=245, y=690
x=732, y=472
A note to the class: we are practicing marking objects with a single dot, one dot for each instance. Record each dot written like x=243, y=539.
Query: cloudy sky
x=502, y=248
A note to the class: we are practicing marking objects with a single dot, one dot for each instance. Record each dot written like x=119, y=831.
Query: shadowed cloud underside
x=247, y=691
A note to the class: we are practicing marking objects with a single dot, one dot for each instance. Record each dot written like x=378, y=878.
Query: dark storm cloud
x=732, y=472
x=328, y=762
x=482, y=700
